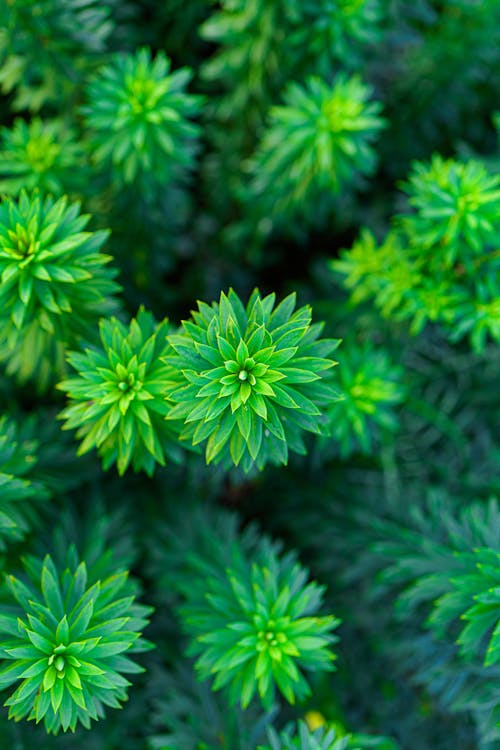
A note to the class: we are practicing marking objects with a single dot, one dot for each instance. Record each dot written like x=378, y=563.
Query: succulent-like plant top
x=54, y=283
x=440, y=263
x=303, y=738
x=66, y=643
x=249, y=380
x=139, y=115
x=473, y=598
x=41, y=155
x=457, y=215
x=317, y=142
x=257, y=627
x=117, y=397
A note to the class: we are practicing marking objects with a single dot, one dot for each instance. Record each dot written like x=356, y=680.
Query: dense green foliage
x=247, y=378
x=125, y=381
x=249, y=367
x=63, y=643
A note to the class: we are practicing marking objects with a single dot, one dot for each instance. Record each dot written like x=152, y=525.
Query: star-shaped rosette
x=249, y=381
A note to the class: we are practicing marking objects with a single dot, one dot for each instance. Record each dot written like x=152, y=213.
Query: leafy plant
x=254, y=626
x=284, y=141
x=39, y=154
x=456, y=210
x=139, y=118
x=439, y=264
x=474, y=599
x=371, y=387
x=333, y=32
x=55, y=284
x=303, y=738
x=248, y=64
x=67, y=643
x=188, y=714
x=248, y=380
x=316, y=144
x=442, y=577
x=46, y=43
x=117, y=398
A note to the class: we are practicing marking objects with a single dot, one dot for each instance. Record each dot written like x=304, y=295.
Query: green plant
x=371, y=387
x=338, y=32
x=248, y=64
x=39, y=154
x=248, y=380
x=440, y=263
x=55, y=284
x=317, y=143
x=254, y=625
x=66, y=640
x=19, y=492
x=139, y=118
x=473, y=598
x=188, y=714
x=456, y=211
x=45, y=44
x=302, y=738
x=439, y=570
x=245, y=145
x=116, y=400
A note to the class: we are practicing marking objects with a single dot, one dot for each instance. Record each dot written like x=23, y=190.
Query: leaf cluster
x=66, y=642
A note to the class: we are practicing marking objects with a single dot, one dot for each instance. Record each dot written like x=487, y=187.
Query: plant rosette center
x=271, y=640
x=23, y=243
x=144, y=95
x=244, y=373
x=41, y=154
x=128, y=382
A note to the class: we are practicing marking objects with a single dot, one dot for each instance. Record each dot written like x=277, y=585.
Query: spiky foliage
x=317, y=143
x=334, y=32
x=371, y=386
x=441, y=263
x=116, y=401
x=254, y=625
x=19, y=493
x=139, y=118
x=188, y=714
x=302, y=737
x=41, y=155
x=18, y=452
x=437, y=570
x=249, y=380
x=66, y=641
x=474, y=598
x=459, y=581
x=55, y=284
x=456, y=210
x=45, y=44
x=263, y=44
x=248, y=64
